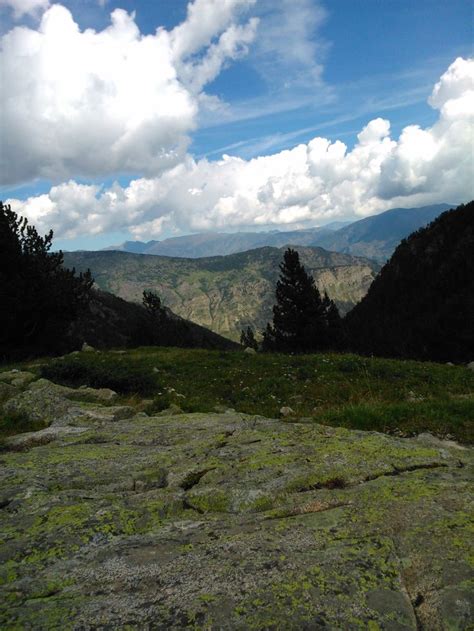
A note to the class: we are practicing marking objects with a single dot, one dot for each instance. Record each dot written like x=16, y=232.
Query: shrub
x=124, y=378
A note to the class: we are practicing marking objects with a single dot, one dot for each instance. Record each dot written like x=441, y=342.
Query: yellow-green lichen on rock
x=228, y=521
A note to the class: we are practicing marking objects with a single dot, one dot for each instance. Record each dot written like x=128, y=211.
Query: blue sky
x=298, y=70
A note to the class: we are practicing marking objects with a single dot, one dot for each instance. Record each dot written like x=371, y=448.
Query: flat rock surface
x=226, y=521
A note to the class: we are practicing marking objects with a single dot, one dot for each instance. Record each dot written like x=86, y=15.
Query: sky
x=124, y=120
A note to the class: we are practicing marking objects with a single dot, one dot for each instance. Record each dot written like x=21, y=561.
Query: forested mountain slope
x=109, y=321
x=422, y=303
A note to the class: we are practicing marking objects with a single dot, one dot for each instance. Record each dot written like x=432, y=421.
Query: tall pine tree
x=302, y=320
x=39, y=298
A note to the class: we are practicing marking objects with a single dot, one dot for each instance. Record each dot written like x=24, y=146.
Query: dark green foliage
x=333, y=324
x=156, y=317
x=247, y=339
x=152, y=304
x=97, y=372
x=302, y=320
x=39, y=298
x=422, y=303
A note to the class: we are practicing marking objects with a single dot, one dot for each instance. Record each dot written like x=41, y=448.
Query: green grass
x=367, y=393
x=443, y=417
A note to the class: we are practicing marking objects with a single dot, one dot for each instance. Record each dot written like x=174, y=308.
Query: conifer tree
x=156, y=315
x=152, y=303
x=334, y=329
x=247, y=339
x=301, y=318
x=38, y=297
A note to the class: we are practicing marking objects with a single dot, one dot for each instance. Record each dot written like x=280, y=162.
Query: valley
x=224, y=294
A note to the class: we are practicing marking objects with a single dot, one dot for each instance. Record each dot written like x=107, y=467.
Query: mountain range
x=374, y=237
x=377, y=237
x=224, y=293
x=207, y=244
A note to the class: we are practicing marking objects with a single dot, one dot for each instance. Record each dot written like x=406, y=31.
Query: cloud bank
x=87, y=103
x=83, y=104
x=310, y=183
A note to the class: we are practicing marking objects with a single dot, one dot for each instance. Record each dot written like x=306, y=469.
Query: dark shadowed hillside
x=377, y=237
x=109, y=321
x=422, y=303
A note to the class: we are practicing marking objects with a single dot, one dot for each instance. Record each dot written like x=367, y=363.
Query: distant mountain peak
x=374, y=237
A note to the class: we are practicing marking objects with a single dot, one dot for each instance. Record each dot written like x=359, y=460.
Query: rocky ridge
x=114, y=519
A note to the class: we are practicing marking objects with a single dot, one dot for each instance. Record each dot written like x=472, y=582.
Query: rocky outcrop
x=228, y=521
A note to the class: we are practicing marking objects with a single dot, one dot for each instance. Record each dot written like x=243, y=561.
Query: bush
x=124, y=378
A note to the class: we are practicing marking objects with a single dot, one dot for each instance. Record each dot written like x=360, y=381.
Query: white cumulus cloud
x=95, y=103
x=307, y=184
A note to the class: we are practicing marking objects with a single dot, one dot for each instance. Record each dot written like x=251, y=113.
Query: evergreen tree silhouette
x=247, y=339
x=156, y=317
x=39, y=298
x=302, y=320
x=334, y=330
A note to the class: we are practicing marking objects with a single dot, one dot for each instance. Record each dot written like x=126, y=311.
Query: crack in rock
x=399, y=470
x=193, y=478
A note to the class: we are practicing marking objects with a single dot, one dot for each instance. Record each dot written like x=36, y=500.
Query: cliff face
x=224, y=293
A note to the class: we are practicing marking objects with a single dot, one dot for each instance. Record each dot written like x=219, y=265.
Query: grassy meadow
x=401, y=397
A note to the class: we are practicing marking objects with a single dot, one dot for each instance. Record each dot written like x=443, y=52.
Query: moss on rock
x=238, y=522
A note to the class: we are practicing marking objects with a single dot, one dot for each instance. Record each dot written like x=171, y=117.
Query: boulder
x=52, y=403
x=86, y=348
x=109, y=414
x=250, y=351
x=7, y=391
x=84, y=393
x=24, y=442
x=39, y=405
x=172, y=410
x=17, y=378
x=286, y=411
